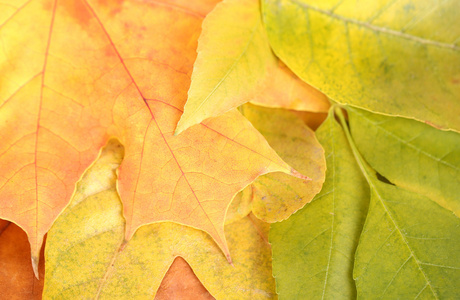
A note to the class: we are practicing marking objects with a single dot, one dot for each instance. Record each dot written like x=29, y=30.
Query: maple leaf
x=92, y=71
x=92, y=223
x=417, y=147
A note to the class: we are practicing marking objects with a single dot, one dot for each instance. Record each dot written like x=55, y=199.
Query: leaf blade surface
x=98, y=71
x=275, y=197
x=423, y=159
x=86, y=255
x=313, y=250
x=385, y=51
x=406, y=235
x=235, y=65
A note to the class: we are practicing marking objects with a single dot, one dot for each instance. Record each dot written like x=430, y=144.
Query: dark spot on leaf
x=383, y=178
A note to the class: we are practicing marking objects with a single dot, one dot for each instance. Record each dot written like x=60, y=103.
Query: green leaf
x=313, y=251
x=394, y=57
x=410, y=246
x=412, y=155
x=277, y=196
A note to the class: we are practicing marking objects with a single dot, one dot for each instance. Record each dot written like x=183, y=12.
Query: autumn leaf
x=431, y=159
x=285, y=90
x=412, y=237
x=181, y=283
x=93, y=71
x=275, y=197
x=235, y=65
x=406, y=234
x=94, y=226
x=400, y=58
x=313, y=251
x=17, y=280
x=91, y=96
x=409, y=243
x=311, y=119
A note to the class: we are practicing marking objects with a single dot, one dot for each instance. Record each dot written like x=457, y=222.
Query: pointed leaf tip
x=35, y=262
x=179, y=128
x=299, y=175
x=229, y=259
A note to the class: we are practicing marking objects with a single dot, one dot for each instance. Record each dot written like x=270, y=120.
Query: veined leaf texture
x=76, y=73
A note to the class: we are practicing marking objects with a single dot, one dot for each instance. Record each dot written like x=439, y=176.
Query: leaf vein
x=380, y=29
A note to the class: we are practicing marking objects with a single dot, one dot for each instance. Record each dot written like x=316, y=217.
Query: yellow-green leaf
x=418, y=157
x=275, y=196
x=409, y=246
x=313, y=251
x=395, y=57
x=86, y=257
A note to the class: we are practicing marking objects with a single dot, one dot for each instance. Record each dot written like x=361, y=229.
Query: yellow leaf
x=235, y=65
x=275, y=196
x=399, y=58
x=86, y=256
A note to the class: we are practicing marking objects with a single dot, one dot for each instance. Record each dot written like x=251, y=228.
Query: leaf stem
x=363, y=165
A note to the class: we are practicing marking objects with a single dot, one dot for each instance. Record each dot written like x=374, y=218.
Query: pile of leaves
x=141, y=136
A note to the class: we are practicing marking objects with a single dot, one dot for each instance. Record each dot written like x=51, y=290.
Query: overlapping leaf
x=395, y=57
x=313, y=251
x=181, y=283
x=418, y=157
x=93, y=70
x=235, y=65
x=410, y=244
x=275, y=197
x=87, y=258
x=409, y=247
x=285, y=90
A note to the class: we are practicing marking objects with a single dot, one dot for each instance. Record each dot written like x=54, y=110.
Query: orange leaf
x=77, y=72
x=311, y=119
x=181, y=283
x=17, y=280
x=285, y=90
